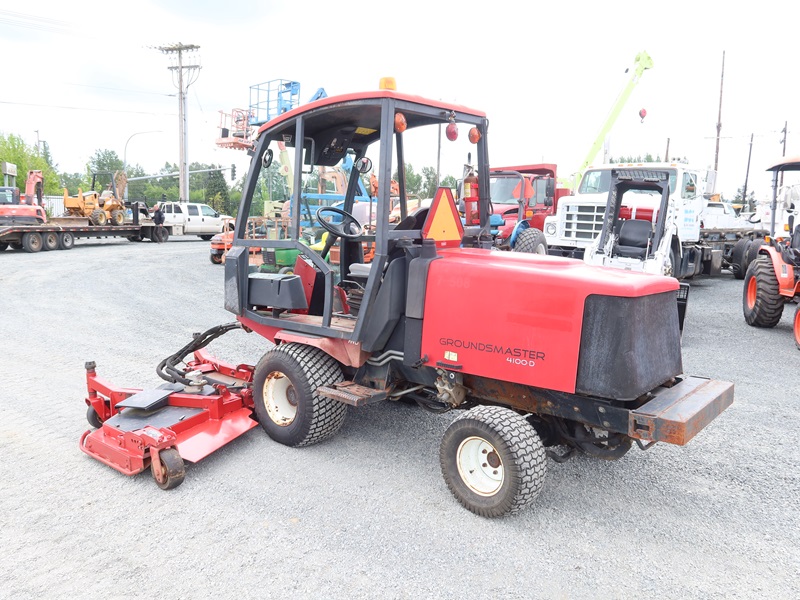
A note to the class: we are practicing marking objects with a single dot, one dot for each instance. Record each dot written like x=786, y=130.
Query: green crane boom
x=640, y=65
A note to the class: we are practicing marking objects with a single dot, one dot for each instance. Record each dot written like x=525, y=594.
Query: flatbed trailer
x=60, y=233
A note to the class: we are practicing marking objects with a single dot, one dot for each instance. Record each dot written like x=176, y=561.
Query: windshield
x=504, y=190
x=7, y=196
x=599, y=182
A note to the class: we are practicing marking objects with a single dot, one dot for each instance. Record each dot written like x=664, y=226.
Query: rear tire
x=32, y=241
x=66, y=241
x=285, y=395
x=738, y=266
x=206, y=238
x=98, y=217
x=796, y=327
x=3, y=246
x=16, y=245
x=117, y=217
x=50, y=241
x=493, y=461
x=761, y=300
x=532, y=241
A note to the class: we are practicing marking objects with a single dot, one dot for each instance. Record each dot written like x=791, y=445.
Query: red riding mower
x=533, y=352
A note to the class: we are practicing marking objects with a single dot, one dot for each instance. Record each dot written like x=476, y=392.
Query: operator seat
x=634, y=238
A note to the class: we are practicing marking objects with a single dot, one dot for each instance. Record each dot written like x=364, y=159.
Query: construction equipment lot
x=366, y=514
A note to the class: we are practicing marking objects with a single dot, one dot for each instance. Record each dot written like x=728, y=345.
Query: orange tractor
x=773, y=278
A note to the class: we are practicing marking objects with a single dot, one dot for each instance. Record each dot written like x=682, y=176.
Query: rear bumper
x=675, y=415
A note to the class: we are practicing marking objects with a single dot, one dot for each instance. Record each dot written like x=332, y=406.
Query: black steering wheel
x=349, y=228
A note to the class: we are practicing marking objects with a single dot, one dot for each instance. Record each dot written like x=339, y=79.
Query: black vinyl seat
x=634, y=237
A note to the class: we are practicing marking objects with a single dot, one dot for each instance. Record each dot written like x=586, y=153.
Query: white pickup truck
x=190, y=218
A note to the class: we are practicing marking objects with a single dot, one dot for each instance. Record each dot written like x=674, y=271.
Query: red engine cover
x=517, y=317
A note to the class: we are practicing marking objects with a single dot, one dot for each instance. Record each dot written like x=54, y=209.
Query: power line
x=111, y=110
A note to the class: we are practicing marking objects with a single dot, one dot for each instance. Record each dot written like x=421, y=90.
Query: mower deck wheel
x=93, y=418
x=216, y=259
x=287, y=405
x=172, y=468
x=493, y=461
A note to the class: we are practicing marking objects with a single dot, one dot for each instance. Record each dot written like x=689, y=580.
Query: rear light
x=400, y=122
x=474, y=135
x=452, y=132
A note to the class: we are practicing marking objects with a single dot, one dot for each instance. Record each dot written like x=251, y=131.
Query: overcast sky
x=86, y=74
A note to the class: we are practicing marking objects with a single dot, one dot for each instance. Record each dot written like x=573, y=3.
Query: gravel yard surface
x=366, y=514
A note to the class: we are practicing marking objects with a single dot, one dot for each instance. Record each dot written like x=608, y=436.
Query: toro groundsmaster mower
x=773, y=278
x=538, y=355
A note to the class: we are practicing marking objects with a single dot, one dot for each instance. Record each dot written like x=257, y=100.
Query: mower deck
x=140, y=426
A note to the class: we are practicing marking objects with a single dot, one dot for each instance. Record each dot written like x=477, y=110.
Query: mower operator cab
x=354, y=288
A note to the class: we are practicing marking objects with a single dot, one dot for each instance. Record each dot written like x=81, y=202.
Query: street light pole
x=125, y=157
x=125, y=152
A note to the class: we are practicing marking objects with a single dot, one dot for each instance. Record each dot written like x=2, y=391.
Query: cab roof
x=358, y=116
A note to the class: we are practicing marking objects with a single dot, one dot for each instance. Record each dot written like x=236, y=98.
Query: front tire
x=493, y=461
x=532, y=241
x=117, y=217
x=287, y=405
x=98, y=217
x=762, y=303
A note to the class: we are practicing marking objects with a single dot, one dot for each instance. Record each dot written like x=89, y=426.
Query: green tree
x=449, y=181
x=105, y=163
x=429, y=182
x=413, y=180
x=14, y=150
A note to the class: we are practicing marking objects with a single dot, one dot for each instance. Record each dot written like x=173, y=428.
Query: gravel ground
x=366, y=514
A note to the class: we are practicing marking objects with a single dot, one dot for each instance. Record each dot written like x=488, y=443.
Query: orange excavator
x=24, y=210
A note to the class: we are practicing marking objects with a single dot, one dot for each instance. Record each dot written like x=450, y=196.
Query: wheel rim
x=752, y=290
x=479, y=466
x=280, y=399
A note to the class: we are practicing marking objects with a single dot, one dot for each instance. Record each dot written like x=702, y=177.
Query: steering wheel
x=349, y=228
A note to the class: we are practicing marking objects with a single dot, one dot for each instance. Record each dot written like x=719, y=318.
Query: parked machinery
x=101, y=208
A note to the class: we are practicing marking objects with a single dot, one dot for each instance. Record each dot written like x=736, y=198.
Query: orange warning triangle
x=443, y=223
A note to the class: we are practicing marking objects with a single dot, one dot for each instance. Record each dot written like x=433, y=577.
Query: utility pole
x=183, y=82
x=784, y=131
x=719, y=117
x=747, y=176
x=666, y=154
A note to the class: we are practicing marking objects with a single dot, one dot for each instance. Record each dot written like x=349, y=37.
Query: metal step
x=351, y=393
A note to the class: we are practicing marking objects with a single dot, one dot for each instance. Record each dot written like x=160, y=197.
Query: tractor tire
x=287, y=405
x=66, y=241
x=173, y=468
x=216, y=259
x=98, y=217
x=206, y=238
x=32, y=241
x=532, y=241
x=751, y=253
x=738, y=266
x=3, y=246
x=796, y=327
x=50, y=241
x=761, y=300
x=117, y=217
x=493, y=461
